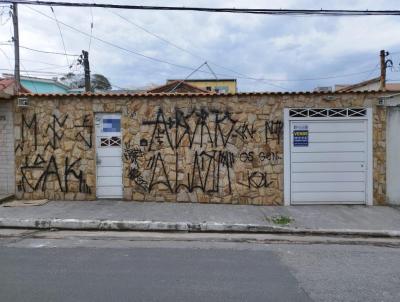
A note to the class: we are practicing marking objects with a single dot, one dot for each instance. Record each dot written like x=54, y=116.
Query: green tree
x=72, y=80
x=100, y=82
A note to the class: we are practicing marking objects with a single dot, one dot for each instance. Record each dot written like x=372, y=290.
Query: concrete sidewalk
x=151, y=216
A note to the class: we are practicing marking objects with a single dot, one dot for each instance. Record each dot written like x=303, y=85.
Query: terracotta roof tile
x=151, y=95
x=5, y=83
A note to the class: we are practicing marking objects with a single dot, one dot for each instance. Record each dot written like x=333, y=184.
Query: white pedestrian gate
x=328, y=156
x=108, y=156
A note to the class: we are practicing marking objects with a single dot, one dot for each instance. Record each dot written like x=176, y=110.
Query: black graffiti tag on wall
x=273, y=130
x=131, y=154
x=85, y=131
x=49, y=170
x=211, y=161
x=256, y=179
x=245, y=131
x=173, y=130
x=69, y=170
x=272, y=157
x=204, y=174
x=53, y=134
x=218, y=127
x=55, y=127
x=27, y=125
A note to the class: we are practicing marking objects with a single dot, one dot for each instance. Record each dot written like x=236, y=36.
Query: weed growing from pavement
x=280, y=219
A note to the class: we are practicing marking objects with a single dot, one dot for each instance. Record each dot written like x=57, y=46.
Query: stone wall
x=212, y=149
x=55, y=149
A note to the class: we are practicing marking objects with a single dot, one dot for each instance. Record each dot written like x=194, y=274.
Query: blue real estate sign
x=300, y=136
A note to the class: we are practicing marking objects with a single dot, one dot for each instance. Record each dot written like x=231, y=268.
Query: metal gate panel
x=327, y=158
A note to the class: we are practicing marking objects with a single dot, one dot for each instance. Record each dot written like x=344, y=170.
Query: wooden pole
x=383, y=70
x=87, y=70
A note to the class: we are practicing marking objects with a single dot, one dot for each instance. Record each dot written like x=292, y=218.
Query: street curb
x=6, y=198
x=162, y=226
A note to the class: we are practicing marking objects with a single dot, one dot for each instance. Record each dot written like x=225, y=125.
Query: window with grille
x=113, y=141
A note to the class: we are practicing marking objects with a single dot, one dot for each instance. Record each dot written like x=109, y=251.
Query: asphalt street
x=88, y=267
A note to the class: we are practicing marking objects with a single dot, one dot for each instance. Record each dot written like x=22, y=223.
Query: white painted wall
x=393, y=155
x=7, y=160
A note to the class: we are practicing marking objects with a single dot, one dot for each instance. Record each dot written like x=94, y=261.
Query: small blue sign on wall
x=300, y=136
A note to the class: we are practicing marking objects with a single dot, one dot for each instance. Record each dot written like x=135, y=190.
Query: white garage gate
x=328, y=156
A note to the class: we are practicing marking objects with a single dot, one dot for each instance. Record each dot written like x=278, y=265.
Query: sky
x=264, y=53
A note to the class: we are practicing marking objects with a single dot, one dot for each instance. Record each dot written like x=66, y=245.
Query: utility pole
x=383, y=69
x=86, y=67
x=17, y=76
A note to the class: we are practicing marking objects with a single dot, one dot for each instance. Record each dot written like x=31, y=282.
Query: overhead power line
x=263, y=11
x=265, y=80
x=45, y=63
x=43, y=51
x=23, y=67
x=187, y=77
x=177, y=46
x=326, y=77
x=36, y=72
x=40, y=70
x=219, y=74
x=59, y=30
x=7, y=57
x=113, y=44
x=155, y=35
x=91, y=30
x=370, y=73
x=29, y=75
x=49, y=52
x=140, y=54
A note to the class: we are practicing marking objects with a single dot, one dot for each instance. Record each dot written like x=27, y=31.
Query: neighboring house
x=392, y=86
x=121, y=91
x=391, y=102
x=82, y=90
x=369, y=85
x=213, y=85
x=7, y=88
x=7, y=159
x=41, y=85
x=177, y=86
